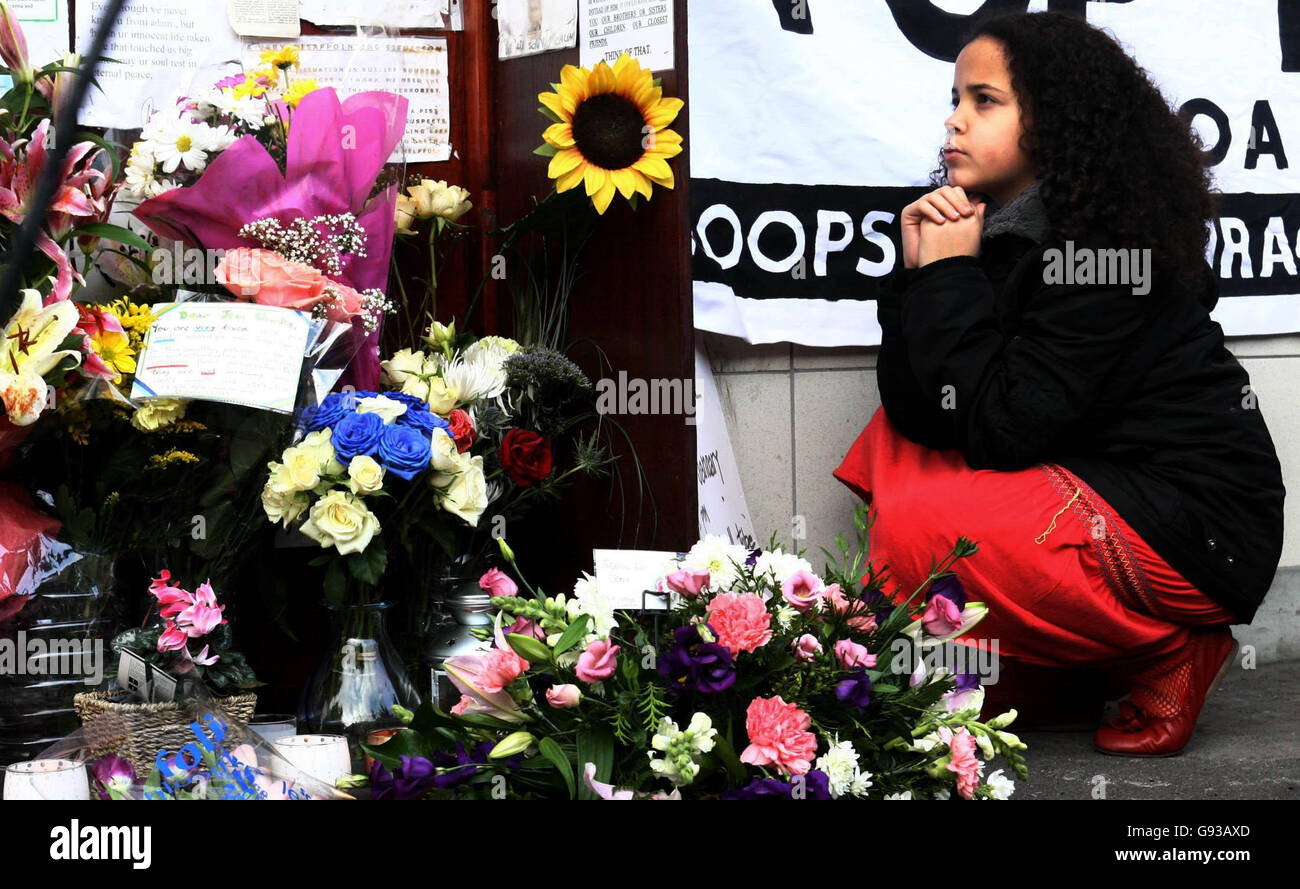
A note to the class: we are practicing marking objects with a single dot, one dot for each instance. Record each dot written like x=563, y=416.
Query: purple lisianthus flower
x=467, y=763
x=948, y=586
x=403, y=450
x=357, y=434
x=753, y=558
x=414, y=777
x=695, y=665
x=816, y=785
x=879, y=603
x=967, y=682
x=112, y=773
x=327, y=413
x=856, y=690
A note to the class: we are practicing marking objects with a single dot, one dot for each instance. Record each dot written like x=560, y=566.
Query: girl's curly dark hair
x=1108, y=149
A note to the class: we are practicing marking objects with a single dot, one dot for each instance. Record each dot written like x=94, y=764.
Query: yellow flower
x=158, y=413
x=135, y=319
x=282, y=58
x=612, y=132
x=404, y=214
x=252, y=87
x=300, y=88
x=439, y=199
x=171, y=458
x=114, y=347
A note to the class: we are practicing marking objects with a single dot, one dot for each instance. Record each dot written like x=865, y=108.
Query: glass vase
x=359, y=679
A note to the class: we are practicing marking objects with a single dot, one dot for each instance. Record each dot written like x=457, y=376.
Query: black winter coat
x=1135, y=394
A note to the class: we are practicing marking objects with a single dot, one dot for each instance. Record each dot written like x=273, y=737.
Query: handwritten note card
x=237, y=353
x=624, y=576
x=416, y=67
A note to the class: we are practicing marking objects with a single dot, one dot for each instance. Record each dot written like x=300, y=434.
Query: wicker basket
x=136, y=731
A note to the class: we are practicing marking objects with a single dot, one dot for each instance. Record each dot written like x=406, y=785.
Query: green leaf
x=595, y=746
x=546, y=150
x=551, y=750
x=574, y=633
x=735, y=768
x=115, y=233
x=368, y=565
x=335, y=585
x=885, y=689
x=528, y=648
x=550, y=114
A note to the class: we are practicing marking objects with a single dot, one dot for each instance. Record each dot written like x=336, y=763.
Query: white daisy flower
x=840, y=763
x=182, y=141
x=906, y=794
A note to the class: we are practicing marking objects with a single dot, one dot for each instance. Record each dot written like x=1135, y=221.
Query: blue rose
x=327, y=413
x=403, y=451
x=424, y=420
x=357, y=434
x=414, y=402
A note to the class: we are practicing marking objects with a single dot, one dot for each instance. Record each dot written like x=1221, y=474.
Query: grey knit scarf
x=1025, y=215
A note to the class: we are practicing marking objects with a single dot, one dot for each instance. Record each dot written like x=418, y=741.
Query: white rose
x=365, y=475
x=467, y=496
x=417, y=387
x=339, y=519
x=444, y=457
x=320, y=444
x=386, y=407
x=402, y=365
x=443, y=397
x=301, y=467
x=283, y=506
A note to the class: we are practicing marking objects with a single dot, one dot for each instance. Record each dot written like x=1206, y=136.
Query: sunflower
x=610, y=131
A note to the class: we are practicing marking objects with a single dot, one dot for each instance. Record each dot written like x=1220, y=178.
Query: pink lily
x=13, y=45
x=608, y=791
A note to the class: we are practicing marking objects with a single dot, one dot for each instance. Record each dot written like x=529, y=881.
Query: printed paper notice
x=627, y=578
x=527, y=27
x=45, y=27
x=264, y=18
x=387, y=13
x=167, y=49
x=416, y=67
x=237, y=353
x=643, y=28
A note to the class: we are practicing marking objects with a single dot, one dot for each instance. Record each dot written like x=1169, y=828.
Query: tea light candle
x=323, y=757
x=62, y=779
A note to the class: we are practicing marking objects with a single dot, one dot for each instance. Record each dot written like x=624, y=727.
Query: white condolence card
x=237, y=353
x=628, y=578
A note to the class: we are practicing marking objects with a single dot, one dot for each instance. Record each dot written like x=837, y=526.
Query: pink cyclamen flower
x=941, y=617
x=687, y=582
x=806, y=648
x=964, y=763
x=501, y=668
x=203, y=658
x=802, y=590
x=741, y=621
x=851, y=654
x=562, y=697
x=497, y=583
x=172, y=639
x=863, y=620
x=778, y=736
x=598, y=662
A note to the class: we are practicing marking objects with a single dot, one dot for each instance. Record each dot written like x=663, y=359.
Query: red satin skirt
x=1068, y=583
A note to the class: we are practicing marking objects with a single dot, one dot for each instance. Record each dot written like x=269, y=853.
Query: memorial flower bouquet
x=762, y=680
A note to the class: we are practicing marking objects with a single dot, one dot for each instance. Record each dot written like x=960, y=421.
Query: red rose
x=462, y=429
x=526, y=456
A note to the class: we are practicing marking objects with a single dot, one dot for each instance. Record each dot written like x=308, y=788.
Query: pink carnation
x=778, y=736
x=502, y=667
x=741, y=621
x=964, y=762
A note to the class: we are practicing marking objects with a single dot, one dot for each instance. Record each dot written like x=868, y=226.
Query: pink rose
x=802, y=590
x=964, y=762
x=687, y=582
x=806, y=648
x=500, y=668
x=941, y=617
x=267, y=278
x=598, y=662
x=344, y=302
x=525, y=627
x=851, y=654
x=563, y=697
x=497, y=583
x=778, y=736
x=741, y=621
x=863, y=620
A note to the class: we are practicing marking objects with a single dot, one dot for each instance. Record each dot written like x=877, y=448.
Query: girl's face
x=985, y=125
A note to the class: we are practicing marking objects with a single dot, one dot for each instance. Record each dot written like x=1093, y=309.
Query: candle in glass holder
x=47, y=779
x=323, y=757
x=273, y=726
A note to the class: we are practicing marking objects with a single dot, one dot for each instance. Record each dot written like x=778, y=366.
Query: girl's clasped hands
x=940, y=224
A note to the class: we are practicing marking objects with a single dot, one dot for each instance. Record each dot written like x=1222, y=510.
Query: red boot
x=1160, y=715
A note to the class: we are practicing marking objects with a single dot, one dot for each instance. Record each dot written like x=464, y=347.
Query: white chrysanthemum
x=840, y=763
x=181, y=141
x=474, y=378
x=1001, y=786
x=495, y=349
x=906, y=794
x=142, y=171
x=780, y=565
x=943, y=793
x=715, y=554
x=589, y=600
x=785, y=616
